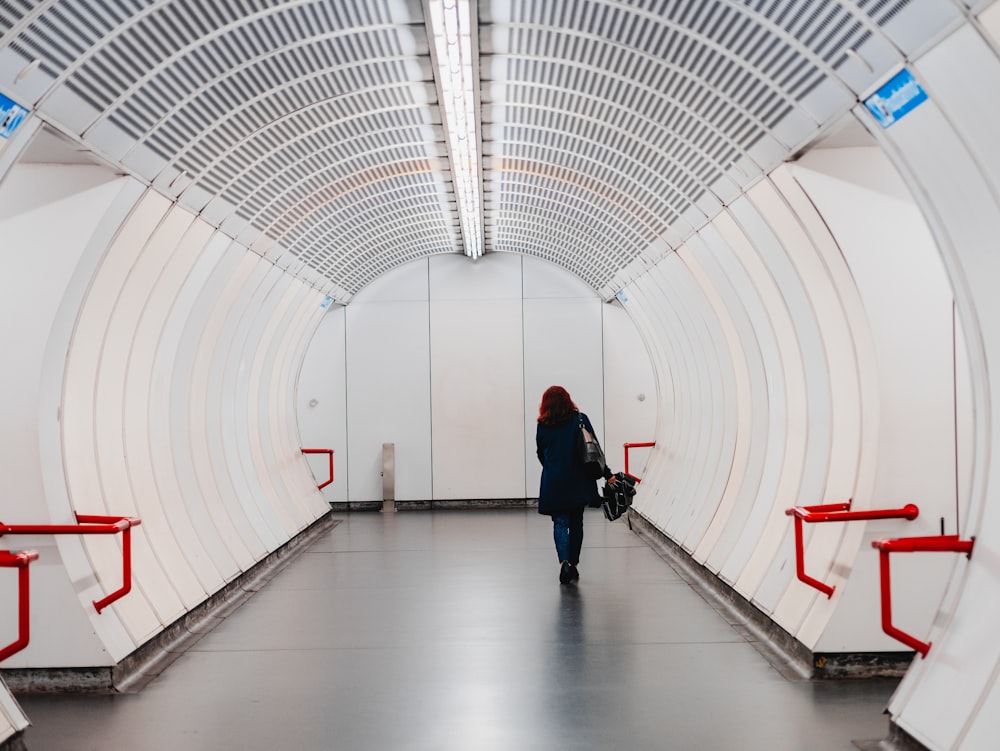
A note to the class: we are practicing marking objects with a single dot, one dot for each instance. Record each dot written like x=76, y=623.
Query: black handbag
x=591, y=453
x=618, y=496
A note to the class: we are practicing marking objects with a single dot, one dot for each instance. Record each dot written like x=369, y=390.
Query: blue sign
x=896, y=98
x=326, y=302
x=11, y=115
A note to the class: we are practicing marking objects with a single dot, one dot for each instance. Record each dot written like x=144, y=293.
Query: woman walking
x=565, y=489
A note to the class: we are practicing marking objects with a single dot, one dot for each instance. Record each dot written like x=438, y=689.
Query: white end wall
x=448, y=358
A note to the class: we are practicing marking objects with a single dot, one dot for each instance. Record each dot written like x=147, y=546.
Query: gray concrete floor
x=449, y=630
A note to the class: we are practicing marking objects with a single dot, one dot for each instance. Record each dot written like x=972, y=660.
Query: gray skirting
x=458, y=505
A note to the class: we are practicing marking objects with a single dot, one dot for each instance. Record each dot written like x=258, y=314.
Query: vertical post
x=388, y=477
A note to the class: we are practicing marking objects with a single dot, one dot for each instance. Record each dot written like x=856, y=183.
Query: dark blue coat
x=564, y=487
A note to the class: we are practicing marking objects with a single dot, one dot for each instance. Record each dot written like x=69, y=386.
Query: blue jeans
x=567, y=529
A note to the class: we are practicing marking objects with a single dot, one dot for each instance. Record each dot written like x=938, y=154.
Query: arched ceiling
x=310, y=129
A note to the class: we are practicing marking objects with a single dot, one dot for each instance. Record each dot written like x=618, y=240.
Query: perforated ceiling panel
x=605, y=124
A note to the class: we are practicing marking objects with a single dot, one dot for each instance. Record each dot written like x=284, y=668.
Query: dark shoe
x=574, y=573
x=566, y=572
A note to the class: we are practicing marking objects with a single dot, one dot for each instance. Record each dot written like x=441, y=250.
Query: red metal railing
x=90, y=525
x=322, y=451
x=20, y=561
x=935, y=544
x=835, y=512
x=635, y=446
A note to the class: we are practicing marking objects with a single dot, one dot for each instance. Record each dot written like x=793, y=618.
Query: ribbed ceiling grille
x=651, y=101
x=606, y=122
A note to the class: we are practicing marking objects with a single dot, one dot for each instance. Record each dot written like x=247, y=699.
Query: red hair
x=556, y=405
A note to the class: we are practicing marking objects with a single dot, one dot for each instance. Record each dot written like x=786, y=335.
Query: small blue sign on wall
x=11, y=115
x=896, y=98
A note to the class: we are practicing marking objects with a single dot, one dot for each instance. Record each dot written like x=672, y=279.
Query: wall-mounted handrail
x=635, y=446
x=20, y=560
x=89, y=524
x=835, y=512
x=322, y=451
x=935, y=544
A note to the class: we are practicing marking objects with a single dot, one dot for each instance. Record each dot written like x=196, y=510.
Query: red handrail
x=935, y=544
x=90, y=525
x=635, y=446
x=21, y=561
x=835, y=512
x=322, y=451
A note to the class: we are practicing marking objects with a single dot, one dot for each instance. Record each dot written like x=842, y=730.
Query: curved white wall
x=156, y=361
x=950, y=699
x=810, y=349
x=796, y=357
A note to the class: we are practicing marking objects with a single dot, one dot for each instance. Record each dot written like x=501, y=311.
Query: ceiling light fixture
x=452, y=30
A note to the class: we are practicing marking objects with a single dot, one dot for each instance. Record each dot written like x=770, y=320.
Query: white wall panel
x=274, y=365
x=321, y=401
x=271, y=451
x=745, y=274
x=800, y=346
x=629, y=391
x=682, y=439
x=647, y=304
x=562, y=345
x=196, y=487
x=725, y=367
x=203, y=409
x=809, y=297
x=182, y=505
x=695, y=331
x=142, y=308
x=477, y=367
x=733, y=286
x=786, y=405
x=388, y=381
x=677, y=431
x=265, y=305
x=234, y=400
x=289, y=351
x=287, y=348
x=94, y=379
x=679, y=312
x=220, y=421
x=563, y=341
x=660, y=402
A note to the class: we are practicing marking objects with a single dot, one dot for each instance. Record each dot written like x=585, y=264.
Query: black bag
x=618, y=496
x=591, y=454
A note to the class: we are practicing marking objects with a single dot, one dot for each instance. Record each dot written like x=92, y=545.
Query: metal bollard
x=388, y=477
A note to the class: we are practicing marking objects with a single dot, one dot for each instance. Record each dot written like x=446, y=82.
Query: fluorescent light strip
x=451, y=28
